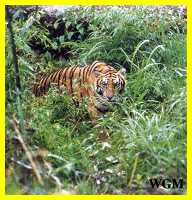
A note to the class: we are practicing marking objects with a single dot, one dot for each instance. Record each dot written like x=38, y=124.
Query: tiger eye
x=115, y=83
x=104, y=83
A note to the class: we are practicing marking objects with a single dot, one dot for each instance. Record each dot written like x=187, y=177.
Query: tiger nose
x=110, y=96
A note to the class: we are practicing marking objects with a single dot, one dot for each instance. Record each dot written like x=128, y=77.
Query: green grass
x=147, y=129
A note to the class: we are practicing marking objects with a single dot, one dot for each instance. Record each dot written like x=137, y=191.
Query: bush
x=147, y=128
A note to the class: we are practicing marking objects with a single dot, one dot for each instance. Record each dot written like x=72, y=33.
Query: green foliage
x=147, y=126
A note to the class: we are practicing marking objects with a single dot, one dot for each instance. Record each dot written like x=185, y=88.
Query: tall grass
x=143, y=136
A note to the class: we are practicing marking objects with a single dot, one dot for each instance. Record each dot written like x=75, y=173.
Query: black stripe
x=122, y=82
x=59, y=77
x=35, y=89
x=91, y=67
x=108, y=74
x=41, y=91
x=73, y=71
x=79, y=76
x=37, y=92
x=83, y=75
x=109, y=71
x=70, y=73
x=54, y=76
x=97, y=82
x=41, y=84
x=121, y=79
x=41, y=80
x=49, y=77
x=45, y=84
x=65, y=77
x=88, y=69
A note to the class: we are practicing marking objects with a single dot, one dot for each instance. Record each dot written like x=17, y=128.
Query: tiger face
x=108, y=88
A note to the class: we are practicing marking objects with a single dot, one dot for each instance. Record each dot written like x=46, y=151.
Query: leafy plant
x=143, y=136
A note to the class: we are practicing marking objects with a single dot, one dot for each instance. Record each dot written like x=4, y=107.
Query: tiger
x=99, y=82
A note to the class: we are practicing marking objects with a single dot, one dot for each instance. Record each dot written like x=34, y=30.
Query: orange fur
x=84, y=82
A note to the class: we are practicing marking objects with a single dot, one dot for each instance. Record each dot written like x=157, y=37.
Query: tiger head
x=109, y=83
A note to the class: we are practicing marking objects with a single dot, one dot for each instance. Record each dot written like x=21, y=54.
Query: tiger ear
x=122, y=71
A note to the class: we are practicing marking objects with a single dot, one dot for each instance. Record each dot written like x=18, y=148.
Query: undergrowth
x=148, y=127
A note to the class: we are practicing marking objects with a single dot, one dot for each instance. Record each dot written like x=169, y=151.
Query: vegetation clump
x=143, y=136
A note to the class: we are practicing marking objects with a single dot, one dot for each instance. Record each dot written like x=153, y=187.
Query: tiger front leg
x=94, y=113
